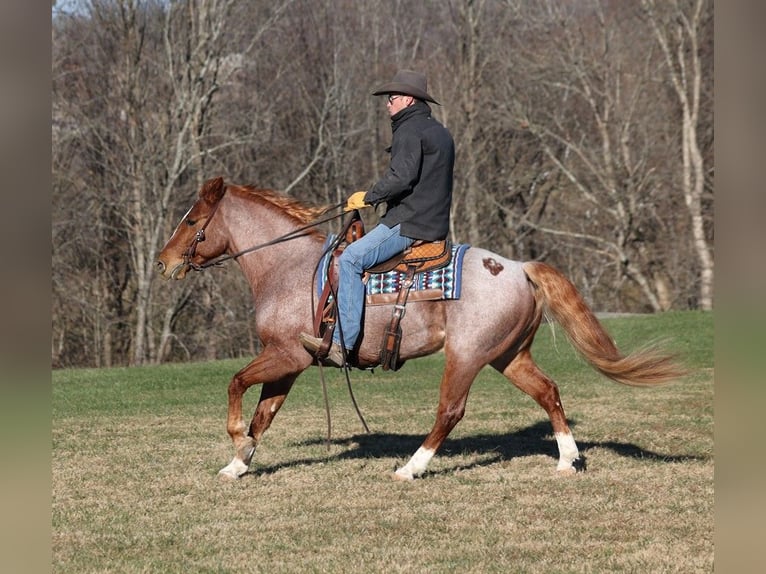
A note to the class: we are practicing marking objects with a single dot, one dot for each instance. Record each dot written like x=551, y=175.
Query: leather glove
x=356, y=201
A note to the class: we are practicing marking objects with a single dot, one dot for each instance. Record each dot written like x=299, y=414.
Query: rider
x=417, y=190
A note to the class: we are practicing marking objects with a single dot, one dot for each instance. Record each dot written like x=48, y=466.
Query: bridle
x=199, y=237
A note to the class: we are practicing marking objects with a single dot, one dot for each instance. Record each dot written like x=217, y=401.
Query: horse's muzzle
x=177, y=272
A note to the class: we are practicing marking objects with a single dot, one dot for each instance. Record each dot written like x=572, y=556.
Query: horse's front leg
x=277, y=372
x=453, y=394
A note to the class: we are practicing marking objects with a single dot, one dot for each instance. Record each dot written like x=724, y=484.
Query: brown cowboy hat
x=408, y=83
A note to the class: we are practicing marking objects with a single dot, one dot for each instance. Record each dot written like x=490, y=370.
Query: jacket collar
x=419, y=108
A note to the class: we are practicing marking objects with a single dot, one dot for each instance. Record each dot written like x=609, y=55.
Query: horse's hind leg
x=277, y=373
x=527, y=376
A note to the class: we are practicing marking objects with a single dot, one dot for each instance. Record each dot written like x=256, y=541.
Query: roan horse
x=493, y=323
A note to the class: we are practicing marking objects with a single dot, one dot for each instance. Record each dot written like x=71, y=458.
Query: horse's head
x=192, y=242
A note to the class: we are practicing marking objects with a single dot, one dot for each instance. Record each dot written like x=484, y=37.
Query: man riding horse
x=417, y=190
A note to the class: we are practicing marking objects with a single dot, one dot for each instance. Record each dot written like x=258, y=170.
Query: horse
x=493, y=322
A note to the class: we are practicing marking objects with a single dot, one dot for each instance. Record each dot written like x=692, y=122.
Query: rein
x=294, y=234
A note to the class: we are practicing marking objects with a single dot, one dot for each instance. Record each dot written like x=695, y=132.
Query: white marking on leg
x=568, y=452
x=416, y=465
x=234, y=469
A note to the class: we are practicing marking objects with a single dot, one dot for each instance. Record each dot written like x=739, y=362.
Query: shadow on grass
x=533, y=440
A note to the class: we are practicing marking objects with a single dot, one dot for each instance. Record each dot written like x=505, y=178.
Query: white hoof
x=233, y=470
x=416, y=465
x=568, y=453
x=565, y=465
x=403, y=474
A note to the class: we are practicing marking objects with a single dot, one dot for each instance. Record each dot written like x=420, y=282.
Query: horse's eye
x=191, y=222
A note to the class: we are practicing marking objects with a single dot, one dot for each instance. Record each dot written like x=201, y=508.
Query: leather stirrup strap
x=323, y=310
x=389, y=354
x=324, y=347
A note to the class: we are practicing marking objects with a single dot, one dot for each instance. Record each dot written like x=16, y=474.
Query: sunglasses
x=392, y=98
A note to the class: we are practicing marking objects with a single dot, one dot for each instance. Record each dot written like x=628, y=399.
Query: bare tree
x=583, y=133
x=151, y=74
x=677, y=27
x=590, y=110
x=469, y=146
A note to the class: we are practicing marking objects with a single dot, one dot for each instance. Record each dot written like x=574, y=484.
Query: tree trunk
x=678, y=37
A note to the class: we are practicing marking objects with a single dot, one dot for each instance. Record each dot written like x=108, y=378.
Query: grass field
x=136, y=452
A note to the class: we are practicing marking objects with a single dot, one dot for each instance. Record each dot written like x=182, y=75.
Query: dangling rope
x=353, y=400
x=328, y=418
x=326, y=408
x=332, y=247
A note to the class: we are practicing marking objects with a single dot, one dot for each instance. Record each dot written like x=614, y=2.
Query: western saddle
x=420, y=257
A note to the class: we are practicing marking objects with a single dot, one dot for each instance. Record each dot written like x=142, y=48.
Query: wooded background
x=583, y=128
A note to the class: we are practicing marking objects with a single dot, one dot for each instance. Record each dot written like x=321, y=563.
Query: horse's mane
x=290, y=206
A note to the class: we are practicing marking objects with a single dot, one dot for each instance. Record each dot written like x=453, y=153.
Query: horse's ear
x=212, y=190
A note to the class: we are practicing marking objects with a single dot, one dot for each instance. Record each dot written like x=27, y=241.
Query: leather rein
x=199, y=237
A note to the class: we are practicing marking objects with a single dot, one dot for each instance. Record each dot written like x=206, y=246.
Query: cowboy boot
x=335, y=356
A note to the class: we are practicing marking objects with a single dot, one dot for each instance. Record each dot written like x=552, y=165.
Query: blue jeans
x=379, y=245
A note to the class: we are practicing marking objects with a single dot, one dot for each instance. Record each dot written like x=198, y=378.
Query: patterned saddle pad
x=382, y=288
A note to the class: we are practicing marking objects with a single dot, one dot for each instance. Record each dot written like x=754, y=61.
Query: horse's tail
x=562, y=300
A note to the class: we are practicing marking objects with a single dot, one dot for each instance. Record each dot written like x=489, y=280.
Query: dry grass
x=135, y=456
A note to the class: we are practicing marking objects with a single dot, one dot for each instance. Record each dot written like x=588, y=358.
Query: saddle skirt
x=383, y=288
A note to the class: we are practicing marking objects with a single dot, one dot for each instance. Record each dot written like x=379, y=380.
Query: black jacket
x=417, y=187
